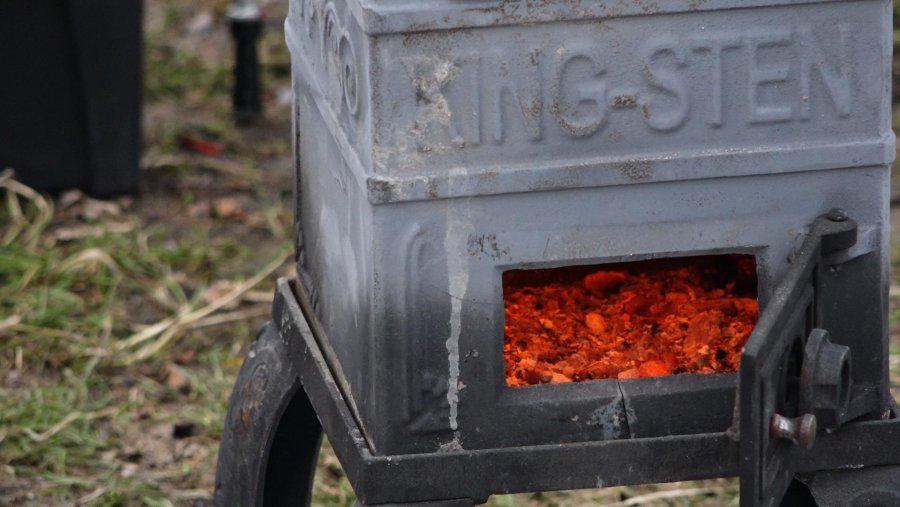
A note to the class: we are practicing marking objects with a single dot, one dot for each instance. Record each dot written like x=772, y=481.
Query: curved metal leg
x=271, y=437
x=798, y=495
x=872, y=486
x=443, y=503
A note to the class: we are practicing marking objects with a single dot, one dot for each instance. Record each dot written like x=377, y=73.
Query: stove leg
x=798, y=495
x=464, y=502
x=271, y=437
x=856, y=488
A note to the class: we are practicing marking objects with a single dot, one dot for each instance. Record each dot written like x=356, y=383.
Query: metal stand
x=443, y=503
x=856, y=488
x=272, y=436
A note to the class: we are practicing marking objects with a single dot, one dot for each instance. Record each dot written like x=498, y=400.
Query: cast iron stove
x=551, y=245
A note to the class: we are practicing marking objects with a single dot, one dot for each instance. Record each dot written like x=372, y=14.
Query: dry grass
x=124, y=322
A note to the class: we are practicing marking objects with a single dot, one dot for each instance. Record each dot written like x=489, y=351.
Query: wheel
x=271, y=437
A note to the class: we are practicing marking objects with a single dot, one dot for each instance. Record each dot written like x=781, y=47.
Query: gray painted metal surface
x=441, y=143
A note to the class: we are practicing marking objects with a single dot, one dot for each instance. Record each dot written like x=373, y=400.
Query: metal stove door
x=778, y=407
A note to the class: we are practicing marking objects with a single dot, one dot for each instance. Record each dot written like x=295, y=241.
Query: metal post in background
x=246, y=24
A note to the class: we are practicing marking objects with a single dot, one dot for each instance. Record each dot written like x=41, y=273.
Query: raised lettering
x=432, y=129
x=478, y=99
x=716, y=44
x=468, y=118
x=579, y=105
x=835, y=77
x=669, y=80
x=507, y=88
x=766, y=75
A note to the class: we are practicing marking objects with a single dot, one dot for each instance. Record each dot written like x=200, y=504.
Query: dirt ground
x=123, y=322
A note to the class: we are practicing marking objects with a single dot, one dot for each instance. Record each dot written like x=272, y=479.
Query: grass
x=124, y=322
x=78, y=379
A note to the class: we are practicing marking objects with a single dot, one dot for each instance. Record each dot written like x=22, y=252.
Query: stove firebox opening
x=628, y=320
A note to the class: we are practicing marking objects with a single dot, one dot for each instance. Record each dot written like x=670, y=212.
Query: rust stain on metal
x=431, y=189
x=249, y=396
x=624, y=101
x=635, y=170
x=486, y=244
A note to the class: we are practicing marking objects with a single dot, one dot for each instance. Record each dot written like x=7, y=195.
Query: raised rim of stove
x=402, y=16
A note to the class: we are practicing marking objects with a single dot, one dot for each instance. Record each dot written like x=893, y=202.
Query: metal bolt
x=837, y=215
x=825, y=380
x=799, y=430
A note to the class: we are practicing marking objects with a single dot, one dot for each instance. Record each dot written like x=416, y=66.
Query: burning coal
x=628, y=320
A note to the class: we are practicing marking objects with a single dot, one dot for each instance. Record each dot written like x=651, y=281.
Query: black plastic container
x=70, y=99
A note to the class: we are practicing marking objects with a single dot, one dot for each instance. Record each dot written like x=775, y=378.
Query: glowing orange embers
x=628, y=320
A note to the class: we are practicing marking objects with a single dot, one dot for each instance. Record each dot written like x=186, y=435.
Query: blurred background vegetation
x=123, y=322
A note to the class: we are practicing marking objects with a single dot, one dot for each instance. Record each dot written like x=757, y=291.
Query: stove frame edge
x=379, y=479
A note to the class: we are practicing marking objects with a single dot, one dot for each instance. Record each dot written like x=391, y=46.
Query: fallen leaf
x=199, y=209
x=228, y=207
x=185, y=356
x=201, y=146
x=220, y=289
x=176, y=379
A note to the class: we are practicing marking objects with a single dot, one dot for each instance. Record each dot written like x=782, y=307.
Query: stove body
x=442, y=143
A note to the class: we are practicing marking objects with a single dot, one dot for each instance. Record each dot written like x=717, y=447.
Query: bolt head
x=799, y=430
x=826, y=380
x=806, y=431
x=837, y=215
